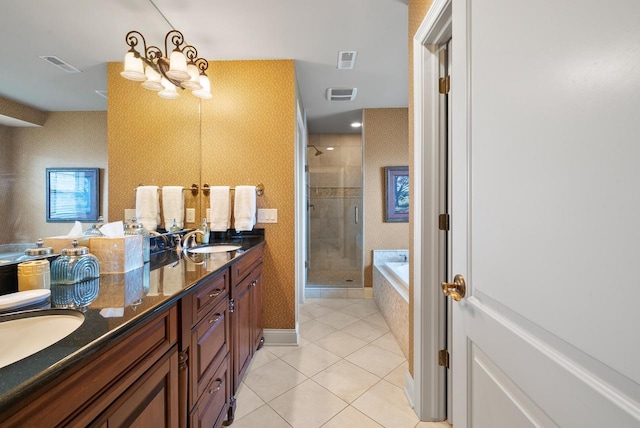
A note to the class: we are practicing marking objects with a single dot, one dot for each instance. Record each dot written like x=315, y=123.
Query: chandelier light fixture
x=163, y=73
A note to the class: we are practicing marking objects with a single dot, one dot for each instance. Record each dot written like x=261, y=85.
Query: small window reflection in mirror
x=73, y=194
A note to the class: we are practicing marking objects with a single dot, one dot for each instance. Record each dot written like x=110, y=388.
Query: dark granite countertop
x=113, y=305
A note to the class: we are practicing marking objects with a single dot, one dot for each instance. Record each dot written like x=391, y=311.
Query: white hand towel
x=173, y=206
x=220, y=204
x=147, y=206
x=244, y=208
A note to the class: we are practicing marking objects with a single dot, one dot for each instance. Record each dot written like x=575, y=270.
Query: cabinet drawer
x=242, y=267
x=209, y=346
x=209, y=293
x=211, y=409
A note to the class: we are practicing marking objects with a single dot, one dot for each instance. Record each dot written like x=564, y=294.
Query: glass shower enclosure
x=334, y=201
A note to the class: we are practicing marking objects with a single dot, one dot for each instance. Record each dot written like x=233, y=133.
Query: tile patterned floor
x=348, y=372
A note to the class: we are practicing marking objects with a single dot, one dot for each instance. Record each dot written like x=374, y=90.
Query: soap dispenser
x=204, y=228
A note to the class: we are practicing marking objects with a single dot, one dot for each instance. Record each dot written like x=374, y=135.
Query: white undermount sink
x=25, y=333
x=214, y=249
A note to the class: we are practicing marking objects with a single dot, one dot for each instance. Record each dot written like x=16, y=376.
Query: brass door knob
x=456, y=289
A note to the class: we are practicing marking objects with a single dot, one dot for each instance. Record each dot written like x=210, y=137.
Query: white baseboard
x=409, y=388
x=281, y=337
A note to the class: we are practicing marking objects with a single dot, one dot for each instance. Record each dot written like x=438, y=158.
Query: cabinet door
x=241, y=325
x=152, y=401
x=256, y=307
x=209, y=346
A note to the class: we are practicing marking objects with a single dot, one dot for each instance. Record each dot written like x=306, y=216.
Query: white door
x=546, y=213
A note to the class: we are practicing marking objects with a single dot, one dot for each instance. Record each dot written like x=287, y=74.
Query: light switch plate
x=191, y=215
x=267, y=215
x=208, y=214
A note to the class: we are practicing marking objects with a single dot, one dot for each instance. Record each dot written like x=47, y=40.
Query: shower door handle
x=356, y=214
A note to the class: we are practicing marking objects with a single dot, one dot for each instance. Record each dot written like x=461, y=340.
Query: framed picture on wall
x=73, y=194
x=396, y=194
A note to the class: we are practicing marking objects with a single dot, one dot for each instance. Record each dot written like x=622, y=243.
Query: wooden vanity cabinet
x=246, y=318
x=205, y=351
x=133, y=382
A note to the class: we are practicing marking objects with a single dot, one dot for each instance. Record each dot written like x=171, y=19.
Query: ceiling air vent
x=341, y=94
x=61, y=64
x=346, y=60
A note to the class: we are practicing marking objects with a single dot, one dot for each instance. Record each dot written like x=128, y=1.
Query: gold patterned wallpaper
x=244, y=135
x=417, y=11
x=384, y=135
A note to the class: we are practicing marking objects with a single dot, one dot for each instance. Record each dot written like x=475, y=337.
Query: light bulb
x=133, y=68
x=169, y=92
x=153, y=82
x=178, y=66
x=205, y=92
x=193, y=83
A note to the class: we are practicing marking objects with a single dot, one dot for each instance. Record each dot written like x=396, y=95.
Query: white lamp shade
x=133, y=68
x=169, y=92
x=194, y=81
x=153, y=82
x=205, y=92
x=178, y=66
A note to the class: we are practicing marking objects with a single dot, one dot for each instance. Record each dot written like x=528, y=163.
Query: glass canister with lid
x=94, y=229
x=74, y=265
x=136, y=228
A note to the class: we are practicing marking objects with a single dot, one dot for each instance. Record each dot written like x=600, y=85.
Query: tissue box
x=58, y=243
x=117, y=255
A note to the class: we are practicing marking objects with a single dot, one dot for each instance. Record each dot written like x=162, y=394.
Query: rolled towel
x=220, y=204
x=147, y=206
x=173, y=206
x=244, y=208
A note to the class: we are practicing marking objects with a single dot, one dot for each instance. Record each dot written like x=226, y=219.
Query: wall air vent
x=60, y=64
x=346, y=60
x=341, y=94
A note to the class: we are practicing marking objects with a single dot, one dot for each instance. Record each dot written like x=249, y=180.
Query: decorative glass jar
x=74, y=265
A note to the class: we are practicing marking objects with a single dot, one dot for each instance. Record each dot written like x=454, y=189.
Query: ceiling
x=90, y=33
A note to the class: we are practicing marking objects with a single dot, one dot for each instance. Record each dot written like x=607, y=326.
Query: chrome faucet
x=191, y=236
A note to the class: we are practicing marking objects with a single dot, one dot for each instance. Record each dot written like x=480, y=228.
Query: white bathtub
x=397, y=273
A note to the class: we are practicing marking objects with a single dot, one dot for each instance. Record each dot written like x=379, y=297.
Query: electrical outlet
x=191, y=215
x=129, y=213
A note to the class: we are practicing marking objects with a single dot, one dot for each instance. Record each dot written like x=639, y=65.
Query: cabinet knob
x=254, y=283
x=215, y=320
x=216, y=293
x=217, y=388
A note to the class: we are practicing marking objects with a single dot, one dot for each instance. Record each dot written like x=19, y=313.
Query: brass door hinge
x=444, y=85
x=443, y=358
x=443, y=222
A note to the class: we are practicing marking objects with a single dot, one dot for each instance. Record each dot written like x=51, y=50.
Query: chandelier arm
x=191, y=53
x=131, y=39
x=176, y=38
x=202, y=65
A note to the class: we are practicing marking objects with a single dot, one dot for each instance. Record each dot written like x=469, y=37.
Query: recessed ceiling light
x=329, y=148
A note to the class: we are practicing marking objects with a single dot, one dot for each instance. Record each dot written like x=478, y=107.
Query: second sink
x=214, y=249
